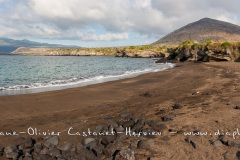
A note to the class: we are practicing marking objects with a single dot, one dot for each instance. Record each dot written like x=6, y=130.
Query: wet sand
x=209, y=93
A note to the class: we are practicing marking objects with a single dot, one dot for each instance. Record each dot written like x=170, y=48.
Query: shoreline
x=80, y=83
x=208, y=93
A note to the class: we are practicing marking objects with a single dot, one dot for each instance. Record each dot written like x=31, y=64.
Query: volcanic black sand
x=202, y=98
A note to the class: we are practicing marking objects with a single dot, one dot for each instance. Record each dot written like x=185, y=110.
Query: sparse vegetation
x=145, y=47
x=226, y=44
x=132, y=47
x=208, y=42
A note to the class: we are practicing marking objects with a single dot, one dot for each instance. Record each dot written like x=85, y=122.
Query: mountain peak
x=203, y=30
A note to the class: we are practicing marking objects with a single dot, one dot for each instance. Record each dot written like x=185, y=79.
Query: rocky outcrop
x=204, y=52
x=139, y=54
x=58, y=52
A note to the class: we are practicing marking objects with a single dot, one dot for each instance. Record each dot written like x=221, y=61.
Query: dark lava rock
x=86, y=154
x=238, y=155
x=97, y=149
x=19, y=141
x=27, y=158
x=89, y=141
x=52, y=140
x=27, y=151
x=55, y=152
x=161, y=127
x=129, y=123
x=45, y=157
x=162, y=111
x=107, y=140
x=168, y=117
x=205, y=59
x=151, y=123
x=101, y=128
x=37, y=148
x=29, y=142
x=126, y=154
x=217, y=143
x=112, y=148
x=125, y=114
x=166, y=60
x=1, y=151
x=165, y=138
x=177, y=106
x=139, y=125
x=44, y=151
x=190, y=141
x=237, y=107
x=146, y=94
x=180, y=132
x=11, y=152
x=143, y=144
x=66, y=146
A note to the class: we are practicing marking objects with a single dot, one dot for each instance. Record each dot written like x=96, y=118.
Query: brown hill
x=203, y=30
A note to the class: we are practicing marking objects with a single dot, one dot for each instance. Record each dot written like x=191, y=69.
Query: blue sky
x=95, y=23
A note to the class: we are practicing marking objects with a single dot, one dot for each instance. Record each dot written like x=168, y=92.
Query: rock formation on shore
x=203, y=30
x=205, y=52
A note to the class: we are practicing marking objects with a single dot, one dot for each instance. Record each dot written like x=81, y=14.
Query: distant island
x=203, y=40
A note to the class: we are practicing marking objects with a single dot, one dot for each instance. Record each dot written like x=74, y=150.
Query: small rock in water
x=168, y=117
x=177, y=106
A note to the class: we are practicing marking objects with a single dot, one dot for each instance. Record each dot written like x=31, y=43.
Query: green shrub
x=132, y=47
x=145, y=47
x=186, y=44
x=226, y=44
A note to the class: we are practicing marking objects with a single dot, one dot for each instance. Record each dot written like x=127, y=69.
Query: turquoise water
x=30, y=74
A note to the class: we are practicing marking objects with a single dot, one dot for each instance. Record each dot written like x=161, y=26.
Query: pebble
x=177, y=106
x=143, y=144
x=168, y=117
x=53, y=140
x=217, y=143
x=190, y=141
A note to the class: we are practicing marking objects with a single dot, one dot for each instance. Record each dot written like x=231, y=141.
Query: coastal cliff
x=186, y=51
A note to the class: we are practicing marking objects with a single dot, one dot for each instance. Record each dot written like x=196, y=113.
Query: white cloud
x=70, y=19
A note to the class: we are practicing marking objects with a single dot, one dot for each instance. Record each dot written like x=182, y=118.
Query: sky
x=104, y=23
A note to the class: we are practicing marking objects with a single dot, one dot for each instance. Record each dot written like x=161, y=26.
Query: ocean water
x=32, y=74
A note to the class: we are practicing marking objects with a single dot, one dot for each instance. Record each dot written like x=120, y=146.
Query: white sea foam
x=76, y=82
